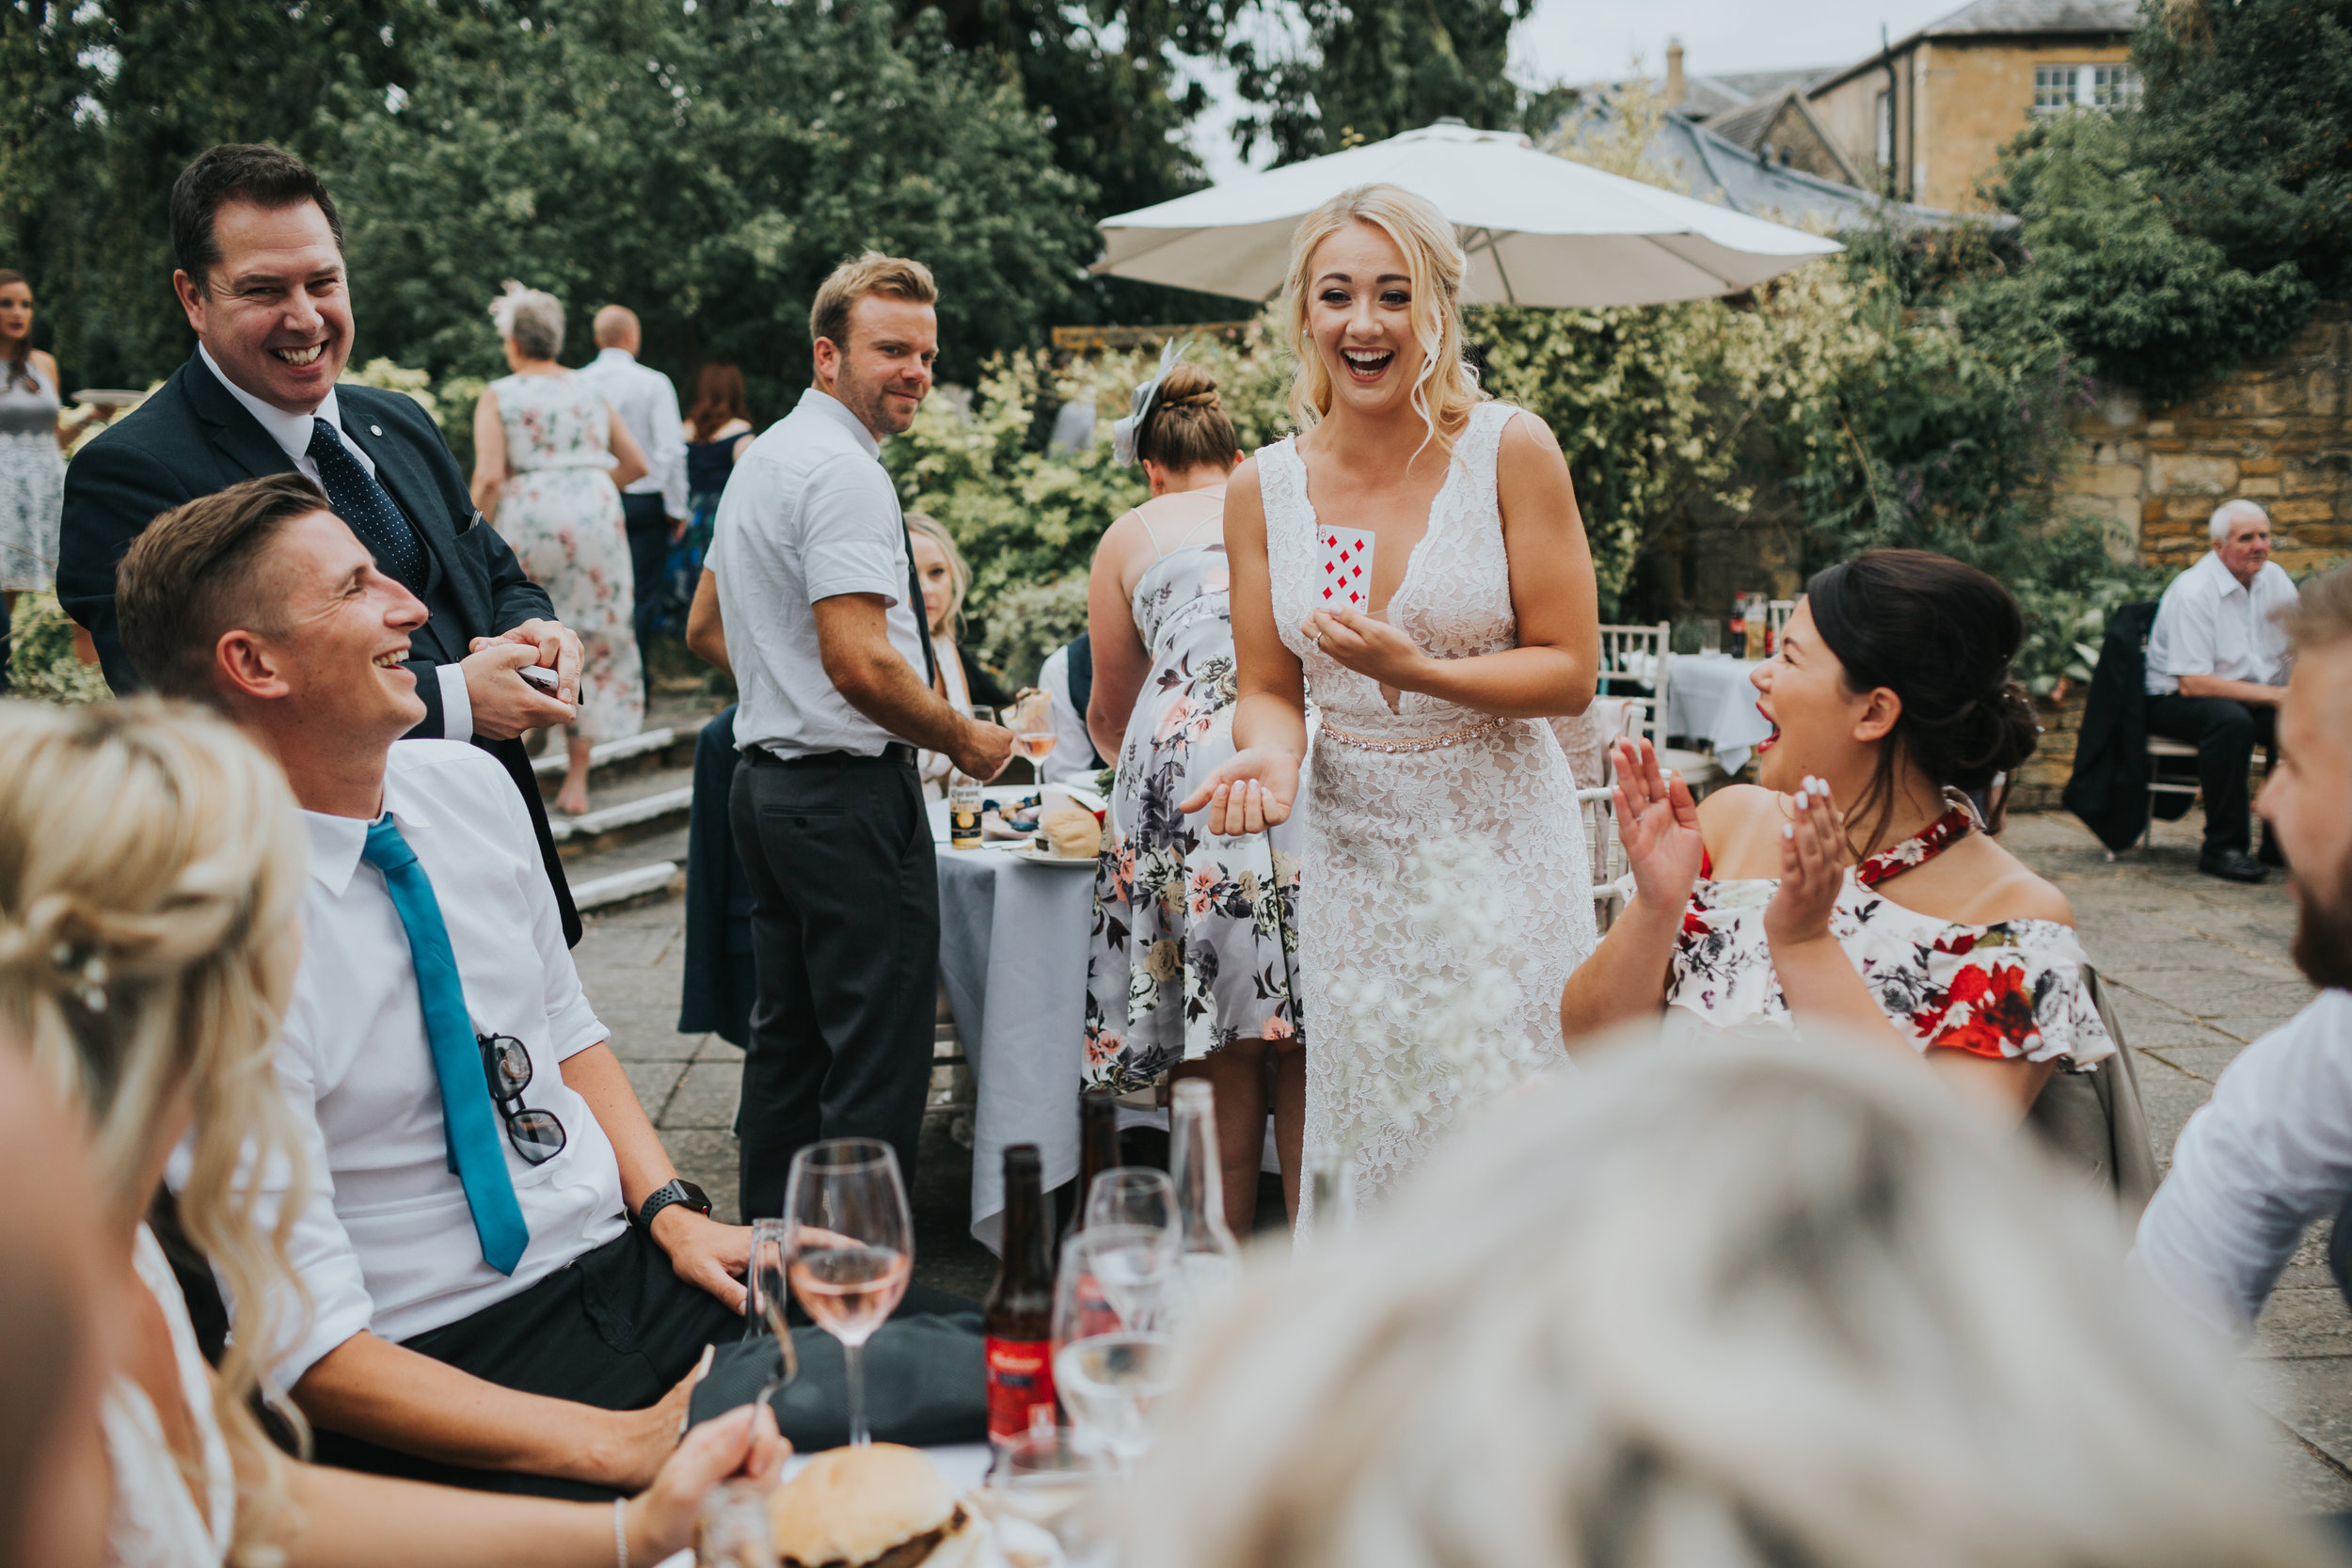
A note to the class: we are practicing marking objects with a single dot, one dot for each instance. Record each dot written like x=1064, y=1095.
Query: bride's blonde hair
x=1447, y=387
x=151, y=869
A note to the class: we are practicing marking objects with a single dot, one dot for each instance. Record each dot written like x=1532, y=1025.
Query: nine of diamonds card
x=1347, y=569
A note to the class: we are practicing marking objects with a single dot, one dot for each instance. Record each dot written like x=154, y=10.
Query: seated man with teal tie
x=511, y=1289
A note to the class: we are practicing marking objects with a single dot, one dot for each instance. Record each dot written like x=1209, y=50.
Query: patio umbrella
x=1539, y=230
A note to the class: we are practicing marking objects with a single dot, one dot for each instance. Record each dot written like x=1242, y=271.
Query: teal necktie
x=467, y=1113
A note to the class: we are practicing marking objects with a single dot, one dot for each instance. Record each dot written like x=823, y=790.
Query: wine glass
x=1131, y=1194
x=765, y=1312
x=1113, y=1357
x=850, y=1248
x=1031, y=718
x=1044, y=1479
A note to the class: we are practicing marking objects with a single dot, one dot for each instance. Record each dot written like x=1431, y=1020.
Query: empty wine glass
x=1044, y=1479
x=850, y=1246
x=1113, y=1358
x=1131, y=1194
x=765, y=1312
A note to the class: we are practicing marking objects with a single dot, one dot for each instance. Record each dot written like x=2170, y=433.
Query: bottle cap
x=1020, y=1158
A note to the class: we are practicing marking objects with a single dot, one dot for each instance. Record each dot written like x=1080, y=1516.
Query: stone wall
x=2277, y=431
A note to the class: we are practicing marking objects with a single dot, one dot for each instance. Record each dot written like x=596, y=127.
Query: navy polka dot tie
x=367, y=506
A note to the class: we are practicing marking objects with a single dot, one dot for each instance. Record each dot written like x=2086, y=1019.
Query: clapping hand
x=1812, y=869
x=1249, y=794
x=1658, y=823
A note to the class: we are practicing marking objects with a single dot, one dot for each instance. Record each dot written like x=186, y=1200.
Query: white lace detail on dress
x=1366, y=811
x=154, y=1521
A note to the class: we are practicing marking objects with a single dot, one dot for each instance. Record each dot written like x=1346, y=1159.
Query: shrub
x=41, y=665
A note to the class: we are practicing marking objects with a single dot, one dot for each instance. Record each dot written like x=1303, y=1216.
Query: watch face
x=696, y=1198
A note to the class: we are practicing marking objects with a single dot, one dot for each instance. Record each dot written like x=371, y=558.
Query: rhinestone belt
x=1450, y=737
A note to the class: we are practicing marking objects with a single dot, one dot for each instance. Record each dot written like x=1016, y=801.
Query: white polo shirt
x=809, y=514
x=2267, y=1155
x=385, y=1239
x=2210, y=624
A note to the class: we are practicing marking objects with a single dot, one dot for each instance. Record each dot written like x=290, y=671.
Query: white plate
x=1034, y=858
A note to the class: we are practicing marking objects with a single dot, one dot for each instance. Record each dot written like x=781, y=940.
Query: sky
x=1581, y=40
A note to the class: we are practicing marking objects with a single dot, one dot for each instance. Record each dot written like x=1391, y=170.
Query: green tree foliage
x=1370, y=68
x=104, y=102
x=706, y=170
x=2148, y=301
x=2246, y=126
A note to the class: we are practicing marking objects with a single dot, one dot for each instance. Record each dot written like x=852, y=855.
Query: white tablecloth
x=1012, y=955
x=1710, y=698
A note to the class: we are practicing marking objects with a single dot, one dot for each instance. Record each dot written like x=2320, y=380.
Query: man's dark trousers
x=2224, y=730
x=845, y=942
x=648, y=551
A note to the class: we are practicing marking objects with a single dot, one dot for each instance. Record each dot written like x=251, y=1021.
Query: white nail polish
x=1788, y=830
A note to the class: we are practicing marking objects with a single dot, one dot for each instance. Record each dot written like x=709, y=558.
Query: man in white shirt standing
x=816, y=590
x=2272, y=1150
x=511, y=1290
x=653, y=507
x=2217, y=669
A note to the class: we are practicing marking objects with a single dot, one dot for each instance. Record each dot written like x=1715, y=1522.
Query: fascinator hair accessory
x=1125, y=432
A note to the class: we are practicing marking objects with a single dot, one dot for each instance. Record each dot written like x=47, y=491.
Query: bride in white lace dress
x=1483, y=625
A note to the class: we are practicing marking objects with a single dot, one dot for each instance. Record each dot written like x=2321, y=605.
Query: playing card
x=1346, y=568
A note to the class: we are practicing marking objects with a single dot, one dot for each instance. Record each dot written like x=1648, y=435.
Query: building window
x=2095, y=87
x=2054, y=86
x=2114, y=86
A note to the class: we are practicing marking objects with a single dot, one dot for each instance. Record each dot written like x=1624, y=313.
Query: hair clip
x=1125, y=431
x=90, y=988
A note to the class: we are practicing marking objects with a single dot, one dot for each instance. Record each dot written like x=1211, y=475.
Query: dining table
x=1013, y=937
x=1710, y=698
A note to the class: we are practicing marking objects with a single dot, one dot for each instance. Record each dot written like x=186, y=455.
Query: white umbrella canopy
x=1539, y=230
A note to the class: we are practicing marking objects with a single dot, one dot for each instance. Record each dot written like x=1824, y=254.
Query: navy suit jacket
x=192, y=438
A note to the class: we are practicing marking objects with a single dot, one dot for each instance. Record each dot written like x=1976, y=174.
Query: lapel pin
x=376, y=430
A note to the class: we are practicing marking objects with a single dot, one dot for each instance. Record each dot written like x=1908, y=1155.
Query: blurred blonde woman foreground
x=1760, y=1305
x=151, y=867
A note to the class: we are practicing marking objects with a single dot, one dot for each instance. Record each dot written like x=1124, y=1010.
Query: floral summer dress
x=2010, y=990
x=1195, y=939
x=32, y=479
x=563, y=517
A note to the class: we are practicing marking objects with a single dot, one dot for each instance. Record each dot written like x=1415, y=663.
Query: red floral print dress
x=2011, y=989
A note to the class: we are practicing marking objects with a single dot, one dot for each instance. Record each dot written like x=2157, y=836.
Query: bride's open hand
x=1249, y=794
x=1812, y=869
x=1658, y=823
x=1368, y=646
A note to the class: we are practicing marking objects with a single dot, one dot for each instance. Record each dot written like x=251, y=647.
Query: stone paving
x=2197, y=967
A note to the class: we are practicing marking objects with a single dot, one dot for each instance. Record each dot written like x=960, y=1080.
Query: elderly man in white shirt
x=2217, y=669
x=654, y=506
x=2272, y=1150
x=823, y=627
x=510, y=1286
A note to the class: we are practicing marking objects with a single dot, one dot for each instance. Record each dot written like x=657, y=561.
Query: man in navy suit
x=261, y=278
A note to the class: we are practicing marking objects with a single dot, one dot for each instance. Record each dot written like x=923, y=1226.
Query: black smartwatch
x=671, y=1191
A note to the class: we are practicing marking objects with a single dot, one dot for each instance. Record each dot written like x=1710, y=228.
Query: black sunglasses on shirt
x=537, y=1136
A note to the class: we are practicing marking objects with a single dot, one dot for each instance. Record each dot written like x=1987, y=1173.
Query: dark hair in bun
x=1940, y=635
x=1187, y=428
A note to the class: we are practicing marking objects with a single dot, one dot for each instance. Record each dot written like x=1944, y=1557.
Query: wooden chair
x=1633, y=664
x=2161, y=751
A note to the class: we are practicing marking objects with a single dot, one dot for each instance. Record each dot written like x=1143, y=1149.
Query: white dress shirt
x=386, y=1240
x=647, y=404
x=809, y=514
x=2210, y=624
x=2267, y=1155
x=292, y=432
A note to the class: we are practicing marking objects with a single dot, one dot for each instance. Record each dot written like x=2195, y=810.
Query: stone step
x=636, y=884
x=625, y=812
x=653, y=750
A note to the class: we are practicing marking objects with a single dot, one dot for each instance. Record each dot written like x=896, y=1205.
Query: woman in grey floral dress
x=551, y=458
x=32, y=474
x=1195, y=940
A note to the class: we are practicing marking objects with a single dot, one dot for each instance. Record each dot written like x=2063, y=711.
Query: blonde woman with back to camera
x=150, y=868
x=1481, y=621
x=1749, y=1307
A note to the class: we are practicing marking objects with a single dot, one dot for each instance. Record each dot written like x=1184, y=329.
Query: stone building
x=1927, y=117
x=2278, y=431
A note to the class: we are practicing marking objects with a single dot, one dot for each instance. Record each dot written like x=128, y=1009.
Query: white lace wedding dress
x=155, y=1522
x=1504, y=781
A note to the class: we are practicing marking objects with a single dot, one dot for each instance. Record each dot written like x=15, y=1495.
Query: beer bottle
x=963, y=811
x=1098, y=1146
x=1019, y=1306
